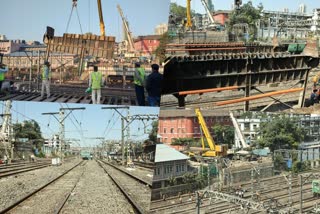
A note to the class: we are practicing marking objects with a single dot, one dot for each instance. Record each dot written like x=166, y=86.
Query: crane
x=189, y=21
x=239, y=133
x=215, y=150
x=205, y=5
x=102, y=27
x=128, y=33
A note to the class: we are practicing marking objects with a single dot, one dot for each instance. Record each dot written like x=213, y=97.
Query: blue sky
x=27, y=20
x=293, y=5
x=89, y=123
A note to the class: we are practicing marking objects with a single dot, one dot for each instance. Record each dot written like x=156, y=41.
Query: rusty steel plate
x=88, y=45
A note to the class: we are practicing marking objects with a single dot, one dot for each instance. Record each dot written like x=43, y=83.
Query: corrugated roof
x=165, y=153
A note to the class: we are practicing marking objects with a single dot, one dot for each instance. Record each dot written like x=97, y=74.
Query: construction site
x=233, y=96
x=229, y=66
x=72, y=58
x=57, y=154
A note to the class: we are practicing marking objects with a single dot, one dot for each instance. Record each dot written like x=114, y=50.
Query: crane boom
x=102, y=27
x=189, y=21
x=130, y=40
x=238, y=131
x=204, y=3
x=205, y=129
x=215, y=150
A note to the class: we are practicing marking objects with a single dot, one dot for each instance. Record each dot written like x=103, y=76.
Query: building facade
x=169, y=164
x=250, y=127
x=146, y=45
x=161, y=29
x=8, y=46
x=174, y=124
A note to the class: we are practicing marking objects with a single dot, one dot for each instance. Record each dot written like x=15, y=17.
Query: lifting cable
x=74, y=5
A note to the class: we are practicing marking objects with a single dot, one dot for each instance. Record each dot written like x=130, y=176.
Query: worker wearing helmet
x=139, y=82
x=46, y=77
x=95, y=83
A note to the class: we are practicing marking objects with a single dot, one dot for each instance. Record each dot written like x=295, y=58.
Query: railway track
x=144, y=164
x=135, y=189
x=208, y=102
x=10, y=170
x=275, y=188
x=73, y=94
x=58, y=185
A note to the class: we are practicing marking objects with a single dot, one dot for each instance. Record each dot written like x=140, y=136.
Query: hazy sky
x=21, y=19
x=89, y=123
x=293, y=5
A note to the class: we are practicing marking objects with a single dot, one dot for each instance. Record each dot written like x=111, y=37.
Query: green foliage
x=172, y=181
x=247, y=14
x=160, y=52
x=280, y=133
x=29, y=129
x=41, y=155
x=177, y=10
x=299, y=166
x=182, y=141
x=224, y=134
x=279, y=162
x=154, y=131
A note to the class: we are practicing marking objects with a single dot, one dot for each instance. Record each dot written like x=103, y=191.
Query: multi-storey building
x=175, y=124
x=146, y=45
x=250, y=126
x=161, y=29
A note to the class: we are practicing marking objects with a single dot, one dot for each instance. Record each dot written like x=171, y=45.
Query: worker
x=139, y=82
x=95, y=83
x=314, y=97
x=3, y=70
x=154, y=86
x=46, y=77
x=5, y=159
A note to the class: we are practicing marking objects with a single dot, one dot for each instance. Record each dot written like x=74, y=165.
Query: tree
x=210, y=5
x=154, y=131
x=224, y=134
x=29, y=129
x=280, y=133
x=160, y=52
x=246, y=14
x=177, y=10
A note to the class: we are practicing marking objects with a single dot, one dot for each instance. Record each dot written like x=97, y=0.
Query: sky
x=274, y=5
x=82, y=124
x=27, y=20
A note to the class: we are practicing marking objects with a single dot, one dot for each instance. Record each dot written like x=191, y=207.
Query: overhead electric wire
x=23, y=115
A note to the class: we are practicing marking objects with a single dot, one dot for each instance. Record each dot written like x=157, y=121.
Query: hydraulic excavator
x=214, y=150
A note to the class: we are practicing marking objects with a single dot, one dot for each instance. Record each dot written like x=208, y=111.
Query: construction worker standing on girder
x=139, y=82
x=95, y=83
x=46, y=77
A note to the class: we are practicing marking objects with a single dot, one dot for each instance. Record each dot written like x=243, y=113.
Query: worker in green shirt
x=95, y=83
x=3, y=70
x=139, y=82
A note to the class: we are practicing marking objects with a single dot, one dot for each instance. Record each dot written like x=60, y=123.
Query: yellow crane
x=102, y=27
x=189, y=21
x=214, y=150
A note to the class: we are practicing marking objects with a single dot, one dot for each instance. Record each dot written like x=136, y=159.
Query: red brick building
x=221, y=16
x=184, y=123
x=146, y=45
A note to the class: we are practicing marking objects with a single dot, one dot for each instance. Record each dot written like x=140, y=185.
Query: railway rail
x=13, y=208
x=272, y=190
x=135, y=189
x=10, y=170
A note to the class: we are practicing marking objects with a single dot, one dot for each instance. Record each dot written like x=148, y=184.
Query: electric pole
x=61, y=120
